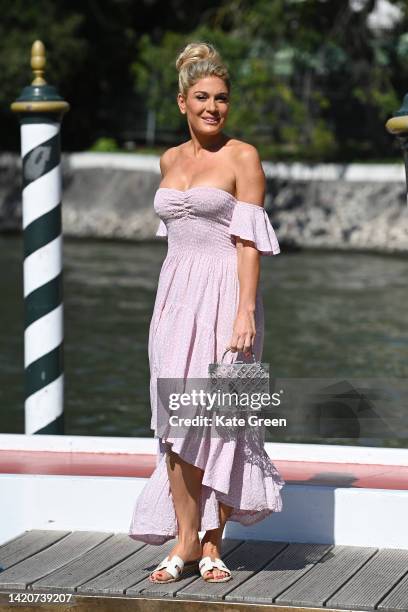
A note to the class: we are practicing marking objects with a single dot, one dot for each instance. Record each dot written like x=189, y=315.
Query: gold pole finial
x=38, y=62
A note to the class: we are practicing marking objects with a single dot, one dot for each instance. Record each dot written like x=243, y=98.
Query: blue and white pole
x=40, y=110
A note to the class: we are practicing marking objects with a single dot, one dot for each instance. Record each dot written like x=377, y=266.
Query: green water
x=327, y=314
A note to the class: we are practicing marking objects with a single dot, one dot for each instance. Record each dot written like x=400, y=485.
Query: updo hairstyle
x=198, y=60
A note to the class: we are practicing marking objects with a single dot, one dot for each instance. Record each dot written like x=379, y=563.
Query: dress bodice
x=208, y=219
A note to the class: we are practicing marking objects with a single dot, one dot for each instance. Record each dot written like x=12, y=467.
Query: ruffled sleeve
x=162, y=229
x=251, y=222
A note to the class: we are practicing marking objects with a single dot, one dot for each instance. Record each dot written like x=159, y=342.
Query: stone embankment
x=357, y=206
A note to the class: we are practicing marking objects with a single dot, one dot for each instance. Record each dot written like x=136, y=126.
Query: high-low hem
x=261, y=495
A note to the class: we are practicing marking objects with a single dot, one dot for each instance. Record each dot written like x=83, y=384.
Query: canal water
x=327, y=315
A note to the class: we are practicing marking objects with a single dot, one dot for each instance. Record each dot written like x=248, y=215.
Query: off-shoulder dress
x=192, y=322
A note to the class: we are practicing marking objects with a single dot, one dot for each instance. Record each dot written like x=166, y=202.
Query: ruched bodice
x=208, y=218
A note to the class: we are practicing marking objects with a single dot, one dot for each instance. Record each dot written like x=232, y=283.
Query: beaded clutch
x=244, y=379
x=239, y=369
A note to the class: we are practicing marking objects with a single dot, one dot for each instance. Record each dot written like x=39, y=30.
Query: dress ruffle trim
x=251, y=222
x=257, y=497
x=162, y=229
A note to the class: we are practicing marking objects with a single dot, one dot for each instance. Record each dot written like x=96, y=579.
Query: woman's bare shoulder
x=244, y=157
x=248, y=170
x=168, y=158
x=242, y=150
x=171, y=156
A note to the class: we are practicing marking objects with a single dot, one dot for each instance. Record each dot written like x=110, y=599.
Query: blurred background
x=313, y=83
x=312, y=79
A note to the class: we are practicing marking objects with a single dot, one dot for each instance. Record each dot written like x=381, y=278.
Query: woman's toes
x=215, y=573
x=159, y=576
x=219, y=574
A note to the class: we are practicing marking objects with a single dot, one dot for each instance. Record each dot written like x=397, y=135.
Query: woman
x=210, y=204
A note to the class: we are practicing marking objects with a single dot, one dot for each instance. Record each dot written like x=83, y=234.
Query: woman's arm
x=250, y=187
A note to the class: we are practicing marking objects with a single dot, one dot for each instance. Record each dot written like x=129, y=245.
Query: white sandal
x=207, y=564
x=174, y=567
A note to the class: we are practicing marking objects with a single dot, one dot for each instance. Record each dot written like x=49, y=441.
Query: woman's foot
x=212, y=549
x=188, y=551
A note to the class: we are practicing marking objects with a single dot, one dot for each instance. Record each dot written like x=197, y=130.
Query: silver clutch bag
x=239, y=369
x=244, y=379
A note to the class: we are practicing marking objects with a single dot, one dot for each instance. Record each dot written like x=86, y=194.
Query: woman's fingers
x=247, y=345
x=242, y=343
x=233, y=342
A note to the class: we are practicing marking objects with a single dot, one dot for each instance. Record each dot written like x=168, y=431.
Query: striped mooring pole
x=40, y=110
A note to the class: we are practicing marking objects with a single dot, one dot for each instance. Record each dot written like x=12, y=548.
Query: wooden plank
x=121, y=577
x=373, y=581
x=20, y=575
x=67, y=578
x=327, y=576
x=243, y=563
x=27, y=544
x=86, y=603
x=190, y=576
x=397, y=598
x=284, y=570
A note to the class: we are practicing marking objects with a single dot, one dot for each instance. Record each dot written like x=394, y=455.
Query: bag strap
x=238, y=360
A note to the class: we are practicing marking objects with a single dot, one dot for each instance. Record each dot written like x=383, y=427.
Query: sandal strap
x=207, y=564
x=173, y=566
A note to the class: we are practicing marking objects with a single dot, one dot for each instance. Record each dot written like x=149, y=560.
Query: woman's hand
x=244, y=332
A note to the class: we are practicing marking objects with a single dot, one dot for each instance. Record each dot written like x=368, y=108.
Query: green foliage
x=304, y=75
x=155, y=77
x=105, y=145
x=22, y=23
x=310, y=80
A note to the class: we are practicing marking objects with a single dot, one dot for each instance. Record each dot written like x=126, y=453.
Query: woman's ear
x=181, y=103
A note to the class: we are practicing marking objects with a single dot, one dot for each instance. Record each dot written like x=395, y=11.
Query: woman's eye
x=222, y=99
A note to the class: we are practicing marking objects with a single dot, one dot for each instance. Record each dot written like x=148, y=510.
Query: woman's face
x=206, y=105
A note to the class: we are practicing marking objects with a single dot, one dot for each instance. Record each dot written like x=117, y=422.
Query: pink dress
x=192, y=322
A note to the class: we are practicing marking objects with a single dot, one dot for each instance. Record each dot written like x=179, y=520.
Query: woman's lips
x=208, y=120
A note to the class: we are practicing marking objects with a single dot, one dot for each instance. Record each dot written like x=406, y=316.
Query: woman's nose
x=211, y=105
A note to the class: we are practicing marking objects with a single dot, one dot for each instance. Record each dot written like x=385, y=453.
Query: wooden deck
x=97, y=566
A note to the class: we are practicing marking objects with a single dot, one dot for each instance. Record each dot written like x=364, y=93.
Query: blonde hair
x=198, y=60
